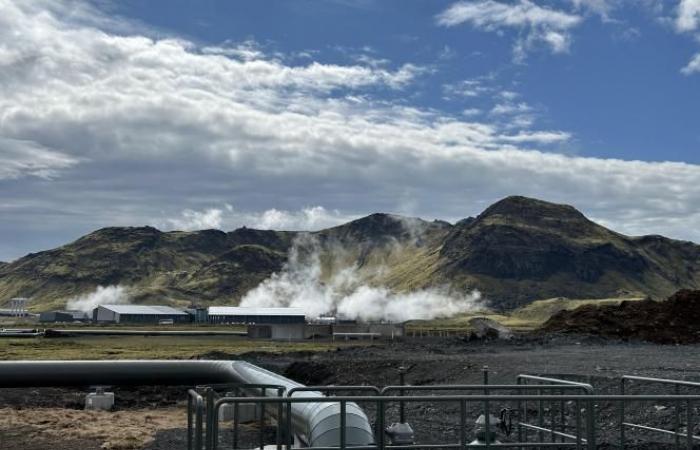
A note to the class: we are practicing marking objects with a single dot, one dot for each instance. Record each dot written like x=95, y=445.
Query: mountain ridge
x=516, y=251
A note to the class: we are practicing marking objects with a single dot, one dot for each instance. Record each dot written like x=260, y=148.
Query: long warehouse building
x=139, y=314
x=241, y=315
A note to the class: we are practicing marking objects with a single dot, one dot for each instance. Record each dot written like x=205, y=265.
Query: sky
x=306, y=114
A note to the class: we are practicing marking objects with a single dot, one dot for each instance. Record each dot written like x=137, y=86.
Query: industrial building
x=64, y=316
x=241, y=315
x=139, y=314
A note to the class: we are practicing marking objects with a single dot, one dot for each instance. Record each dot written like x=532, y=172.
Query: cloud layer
x=537, y=24
x=102, y=123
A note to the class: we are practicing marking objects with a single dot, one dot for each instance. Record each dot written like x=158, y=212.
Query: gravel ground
x=434, y=361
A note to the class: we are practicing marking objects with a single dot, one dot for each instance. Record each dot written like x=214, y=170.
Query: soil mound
x=674, y=321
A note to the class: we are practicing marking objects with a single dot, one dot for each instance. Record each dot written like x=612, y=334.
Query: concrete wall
x=387, y=329
x=288, y=331
x=313, y=330
x=103, y=314
x=259, y=331
x=309, y=331
x=384, y=329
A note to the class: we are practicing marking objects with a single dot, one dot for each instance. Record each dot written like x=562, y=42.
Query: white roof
x=243, y=311
x=144, y=309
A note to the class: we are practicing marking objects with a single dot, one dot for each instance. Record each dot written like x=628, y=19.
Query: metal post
x=189, y=421
x=280, y=394
x=562, y=416
x=402, y=382
x=342, y=425
x=485, y=371
x=198, y=426
x=290, y=434
x=236, y=418
x=261, y=424
x=380, y=424
x=677, y=418
x=522, y=415
x=209, y=437
x=622, y=415
x=488, y=422
x=578, y=425
x=462, y=423
x=689, y=420
x=215, y=428
x=540, y=418
x=590, y=424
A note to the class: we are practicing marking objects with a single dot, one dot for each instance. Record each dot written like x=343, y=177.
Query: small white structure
x=99, y=400
x=18, y=306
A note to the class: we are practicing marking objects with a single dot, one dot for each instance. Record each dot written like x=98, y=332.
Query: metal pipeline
x=317, y=423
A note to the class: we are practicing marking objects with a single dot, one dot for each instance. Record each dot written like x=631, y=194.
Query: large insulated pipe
x=317, y=423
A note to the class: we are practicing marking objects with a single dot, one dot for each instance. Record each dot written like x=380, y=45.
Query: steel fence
x=677, y=435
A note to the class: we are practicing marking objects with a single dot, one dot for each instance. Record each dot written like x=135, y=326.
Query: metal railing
x=524, y=426
x=486, y=400
x=677, y=435
x=195, y=404
x=488, y=388
x=209, y=435
x=548, y=435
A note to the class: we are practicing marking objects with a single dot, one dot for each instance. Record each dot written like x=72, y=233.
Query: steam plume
x=299, y=284
x=103, y=295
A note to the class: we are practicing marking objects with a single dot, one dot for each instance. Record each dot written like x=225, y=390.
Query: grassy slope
x=152, y=347
x=525, y=318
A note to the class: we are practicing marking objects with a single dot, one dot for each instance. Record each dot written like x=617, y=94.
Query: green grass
x=526, y=318
x=152, y=347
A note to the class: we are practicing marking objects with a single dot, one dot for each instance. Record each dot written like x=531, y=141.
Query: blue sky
x=618, y=89
x=305, y=114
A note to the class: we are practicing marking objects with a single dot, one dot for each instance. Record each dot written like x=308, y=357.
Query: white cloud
x=465, y=88
x=19, y=158
x=541, y=137
x=688, y=21
x=537, y=24
x=228, y=218
x=603, y=8
x=510, y=108
x=693, y=66
x=688, y=15
x=247, y=51
x=196, y=220
x=146, y=124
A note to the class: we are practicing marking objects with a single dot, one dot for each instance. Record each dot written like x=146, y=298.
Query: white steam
x=103, y=295
x=300, y=285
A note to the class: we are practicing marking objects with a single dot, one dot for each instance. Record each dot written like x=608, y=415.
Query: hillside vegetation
x=517, y=251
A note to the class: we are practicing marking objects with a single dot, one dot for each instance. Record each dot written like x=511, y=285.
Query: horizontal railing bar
x=479, y=387
x=586, y=386
x=429, y=446
x=547, y=430
x=661, y=380
x=332, y=388
x=659, y=430
x=448, y=398
x=240, y=386
x=492, y=445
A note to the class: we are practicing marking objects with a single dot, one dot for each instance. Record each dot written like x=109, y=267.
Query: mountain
x=521, y=248
x=518, y=250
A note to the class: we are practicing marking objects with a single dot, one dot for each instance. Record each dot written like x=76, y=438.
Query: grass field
x=151, y=347
x=526, y=318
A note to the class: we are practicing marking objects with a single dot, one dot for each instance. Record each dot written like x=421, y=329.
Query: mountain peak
x=525, y=207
